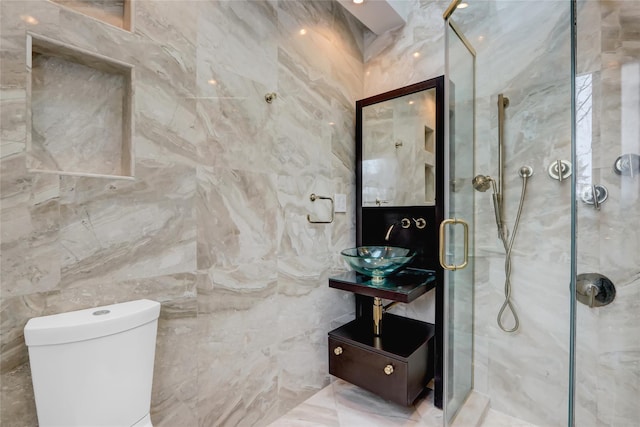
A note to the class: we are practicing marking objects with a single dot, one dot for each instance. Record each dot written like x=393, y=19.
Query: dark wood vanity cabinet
x=396, y=365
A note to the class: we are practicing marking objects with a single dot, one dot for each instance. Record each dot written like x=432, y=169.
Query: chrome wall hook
x=560, y=170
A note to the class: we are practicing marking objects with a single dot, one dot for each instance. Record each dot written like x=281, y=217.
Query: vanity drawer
x=394, y=379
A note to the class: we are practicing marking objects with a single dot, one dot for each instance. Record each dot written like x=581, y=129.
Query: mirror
x=398, y=135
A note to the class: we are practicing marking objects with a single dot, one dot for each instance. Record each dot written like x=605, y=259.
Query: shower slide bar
x=503, y=102
x=483, y=183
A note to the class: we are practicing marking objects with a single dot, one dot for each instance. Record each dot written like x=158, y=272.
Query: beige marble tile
x=498, y=419
x=203, y=227
x=12, y=122
x=68, y=95
x=343, y=404
x=114, y=229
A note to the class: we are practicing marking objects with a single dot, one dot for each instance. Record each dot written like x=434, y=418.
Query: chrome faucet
x=404, y=223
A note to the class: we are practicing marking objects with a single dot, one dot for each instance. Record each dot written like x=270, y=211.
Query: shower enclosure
x=574, y=117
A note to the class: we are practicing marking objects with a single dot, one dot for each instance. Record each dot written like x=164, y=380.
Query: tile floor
x=341, y=404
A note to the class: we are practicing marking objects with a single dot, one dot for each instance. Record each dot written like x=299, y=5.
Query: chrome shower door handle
x=442, y=245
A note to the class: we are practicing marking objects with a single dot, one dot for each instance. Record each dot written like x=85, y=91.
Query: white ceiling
x=379, y=15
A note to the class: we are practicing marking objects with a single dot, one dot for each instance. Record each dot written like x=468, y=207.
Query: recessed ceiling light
x=416, y=54
x=29, y=19
x=212, y=82
x=303, y=32
x=358, y=1
x=463, y=5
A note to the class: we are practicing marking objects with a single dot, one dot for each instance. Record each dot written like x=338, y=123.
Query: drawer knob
x=337, y=351
x=388, y=369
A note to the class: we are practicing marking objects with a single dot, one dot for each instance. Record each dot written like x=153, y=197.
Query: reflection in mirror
x=398, y=151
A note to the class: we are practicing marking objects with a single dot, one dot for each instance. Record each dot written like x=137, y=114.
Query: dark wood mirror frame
x=436, y=83
x=372, y=223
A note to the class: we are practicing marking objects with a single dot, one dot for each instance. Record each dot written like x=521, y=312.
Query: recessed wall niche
x=80, y=111
x=118, y=13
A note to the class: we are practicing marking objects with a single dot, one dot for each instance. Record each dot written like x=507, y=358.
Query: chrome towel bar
x=315, y=197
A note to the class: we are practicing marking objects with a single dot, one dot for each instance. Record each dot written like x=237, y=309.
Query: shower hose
x=507, y=265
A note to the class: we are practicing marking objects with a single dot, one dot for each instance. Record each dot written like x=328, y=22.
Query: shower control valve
x=595, y=195
x=560, y=170
x=420, y=223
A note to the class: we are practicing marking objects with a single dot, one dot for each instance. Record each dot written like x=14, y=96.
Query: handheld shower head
x=482, y=182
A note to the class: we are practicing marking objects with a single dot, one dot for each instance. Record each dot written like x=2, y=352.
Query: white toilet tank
x=94, y=367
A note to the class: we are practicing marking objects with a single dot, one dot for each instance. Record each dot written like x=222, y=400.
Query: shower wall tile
x=128, y=229
x=590, y=37
x=242, y=118
x=390, y=60
x=168, y=24
x=59, y=93
x=74, y=29
x=238, y=216
x=612, y=231
x=238, y=33
x=158, y=108
x=304, y=298
x=16, y=18
x=30, y=225
x=12, y=124
x=298, y=151
x=295, y=379
x=237, y=312
x=214, y=225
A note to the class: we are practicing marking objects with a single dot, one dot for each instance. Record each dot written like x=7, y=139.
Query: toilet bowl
x=94, y=367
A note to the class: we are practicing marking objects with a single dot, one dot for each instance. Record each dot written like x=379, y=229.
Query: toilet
x=94, y=367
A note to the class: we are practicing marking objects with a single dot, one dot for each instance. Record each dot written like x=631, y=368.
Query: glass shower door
x=457, y=229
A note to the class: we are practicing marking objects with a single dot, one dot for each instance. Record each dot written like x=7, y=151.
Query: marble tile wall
x=608, y=365
x=214, y=225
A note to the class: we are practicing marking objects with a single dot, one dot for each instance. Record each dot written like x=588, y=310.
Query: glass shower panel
x=608, y=235
x=459, y=205
x=523, y=51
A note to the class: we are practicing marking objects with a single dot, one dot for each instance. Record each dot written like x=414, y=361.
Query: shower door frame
x=450, y=25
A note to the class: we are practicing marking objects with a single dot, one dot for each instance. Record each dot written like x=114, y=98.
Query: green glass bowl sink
x=378, y=262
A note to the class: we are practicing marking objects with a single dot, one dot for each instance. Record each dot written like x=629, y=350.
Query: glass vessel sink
x=378, y=262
